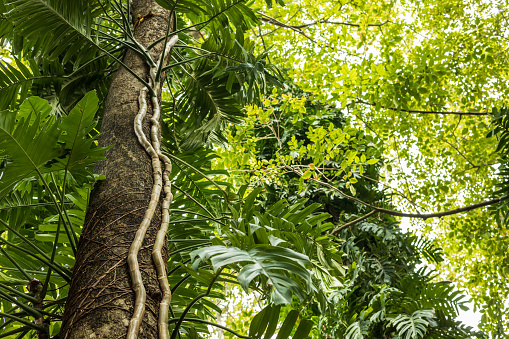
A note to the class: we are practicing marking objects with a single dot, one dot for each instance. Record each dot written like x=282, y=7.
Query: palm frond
x=28, y=148
x=214, y=12
x=66, y=30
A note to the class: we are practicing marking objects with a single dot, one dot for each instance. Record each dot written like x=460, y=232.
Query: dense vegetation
x=298, y=135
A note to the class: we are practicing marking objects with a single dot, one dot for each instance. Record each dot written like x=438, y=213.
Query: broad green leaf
x=303, y=330
x=80, y=149
x=413, y=326
x=273, y=322
x=288, y=325
x=27, y=149
x=266, y=261
x=260, y=322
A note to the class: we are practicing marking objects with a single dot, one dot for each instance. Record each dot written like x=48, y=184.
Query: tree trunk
x=101, y=300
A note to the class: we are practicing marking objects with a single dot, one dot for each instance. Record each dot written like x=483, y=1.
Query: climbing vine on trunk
x=153, y=148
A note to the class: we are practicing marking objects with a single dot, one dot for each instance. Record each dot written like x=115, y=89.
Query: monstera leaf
x=415, y=325
x=284, y=269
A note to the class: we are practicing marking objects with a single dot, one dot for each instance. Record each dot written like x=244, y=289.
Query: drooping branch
x=421, y=111
x=401, y=214
x=414, y=215
x=323, y=21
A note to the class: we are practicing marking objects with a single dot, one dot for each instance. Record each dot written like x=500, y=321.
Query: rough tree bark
x=101, y=299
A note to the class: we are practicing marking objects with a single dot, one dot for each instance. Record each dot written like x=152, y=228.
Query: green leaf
x=303, y=330
x=285, y=269
x=351, y=158
x=7, y=120
x=79, y=147
x=13, y=85
x=260, y=322
x=27, y=149
x=11, y=281
x=306, y=175
x=33, y=107
x=273, y=322
x=413, y=326
x=356, y=330
x=288, y=325
x=67, y=26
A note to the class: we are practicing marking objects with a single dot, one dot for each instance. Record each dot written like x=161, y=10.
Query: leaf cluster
x=46, y=180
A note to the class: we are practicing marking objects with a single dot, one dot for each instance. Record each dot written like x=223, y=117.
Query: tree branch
x=413, y=215
x=323, y=21
x=353, y=222
x=421, y=111
x=276, y=22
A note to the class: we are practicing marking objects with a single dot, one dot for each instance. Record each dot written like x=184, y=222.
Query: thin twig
x=273, y=21
x=460, y=153
x=353, y=222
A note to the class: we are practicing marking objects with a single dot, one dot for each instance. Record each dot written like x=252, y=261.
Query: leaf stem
x=211, y=324
x=200, y=173
x=63, y=272
x=18, y=330
x=23, y=321
x=191, y=304
x=29, y=310
x=18, y=267
x=18, y=293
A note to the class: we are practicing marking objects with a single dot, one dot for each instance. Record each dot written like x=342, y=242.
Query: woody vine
x=153, y=148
